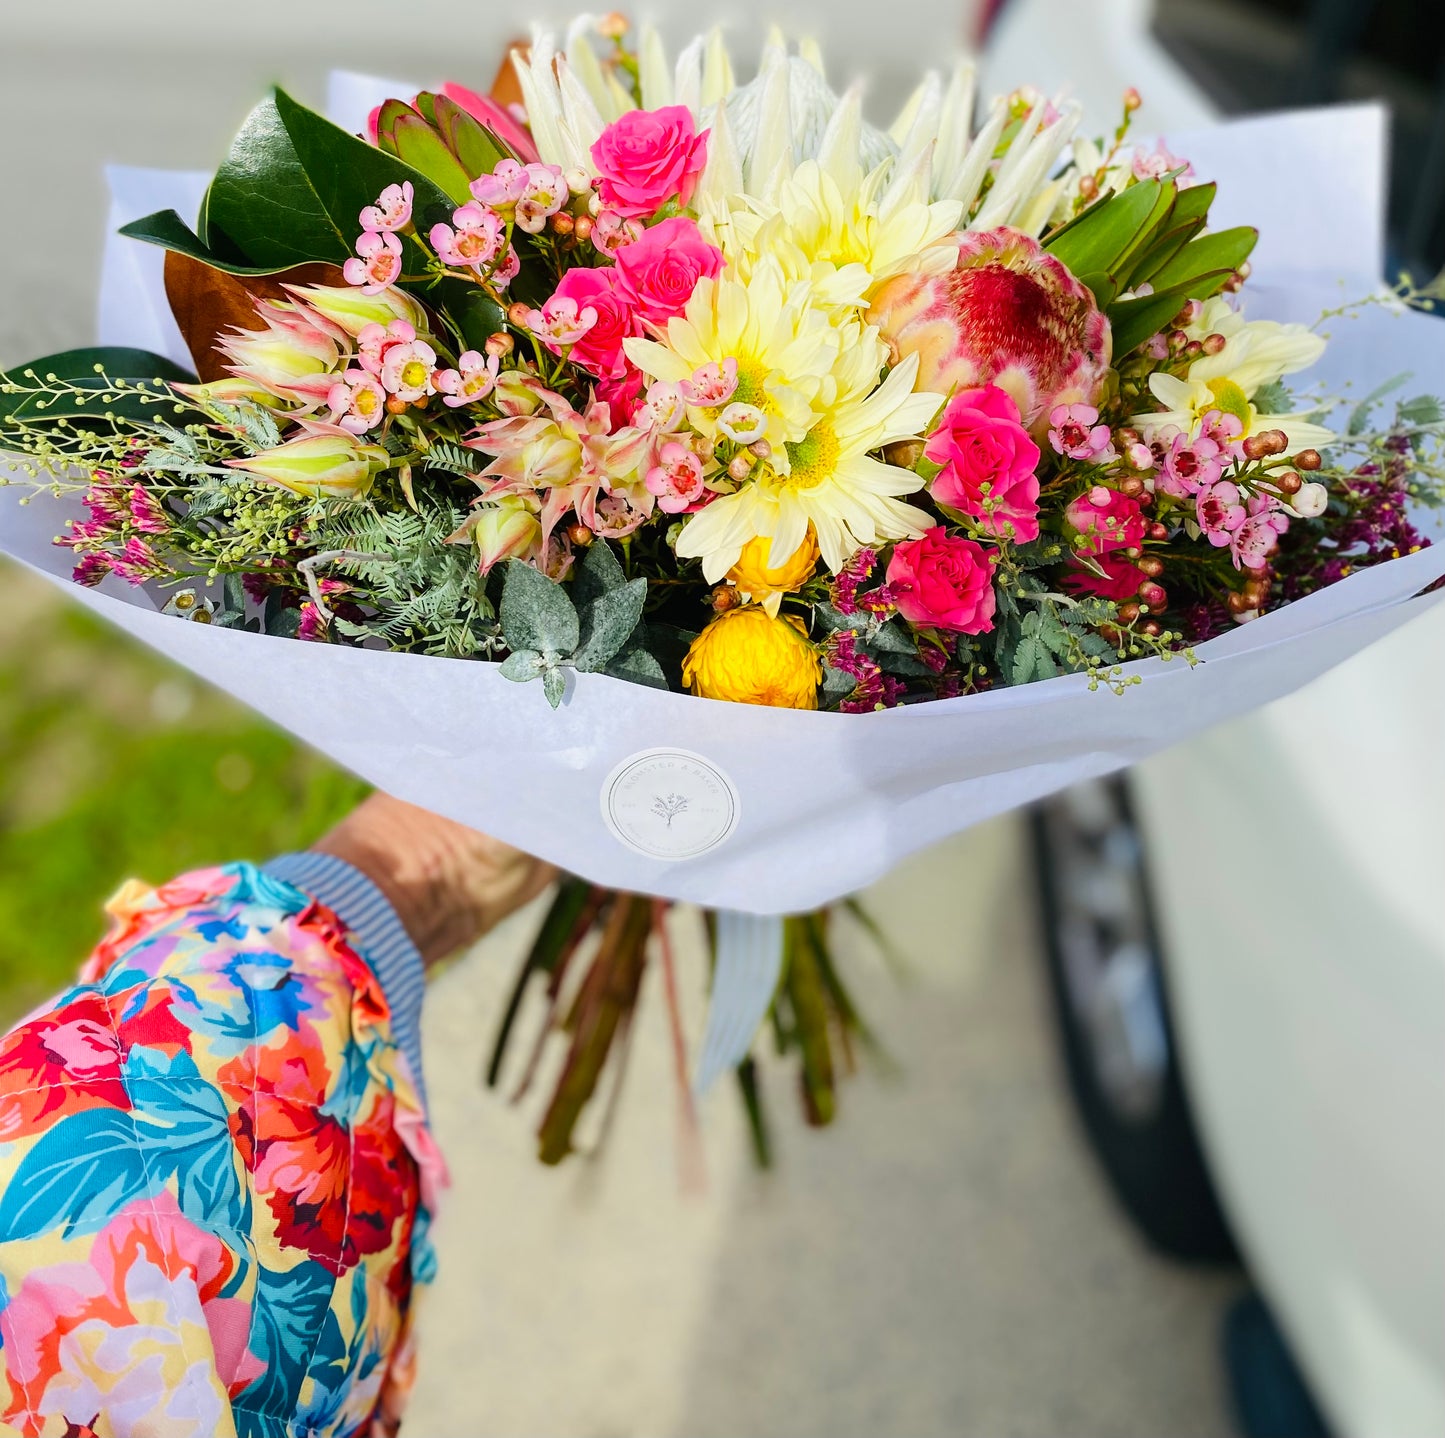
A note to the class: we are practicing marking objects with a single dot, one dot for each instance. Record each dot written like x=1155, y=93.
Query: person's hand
x=448, y=884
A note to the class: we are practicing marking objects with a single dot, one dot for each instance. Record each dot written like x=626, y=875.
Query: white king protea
x=764, y=130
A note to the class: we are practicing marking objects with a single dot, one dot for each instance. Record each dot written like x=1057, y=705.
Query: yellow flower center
x=813, y=458
x=1229, y=398
x=366, y=403
x=413, y=374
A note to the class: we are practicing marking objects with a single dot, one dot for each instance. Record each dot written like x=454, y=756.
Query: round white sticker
x=669, y=804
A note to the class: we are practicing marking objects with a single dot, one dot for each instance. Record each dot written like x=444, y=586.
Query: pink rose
x=660, y=271
x=943, y=583
x=1119, y=581
x=648, y=157
x=622, y=393
x=980, y=442
x=1106, y=520
x=599, y=350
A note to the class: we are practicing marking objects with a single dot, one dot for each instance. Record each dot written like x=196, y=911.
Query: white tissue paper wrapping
x=785, y=810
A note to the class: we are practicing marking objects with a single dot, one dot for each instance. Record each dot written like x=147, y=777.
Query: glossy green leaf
x=1133, y=321
x=474, y=314
x=1150, y=229
x=1105, y=233
x=1166, y=244
x=293, y=185
x=1102, y=286
x=1224, y=251
x=168, y=230
x=147, y=398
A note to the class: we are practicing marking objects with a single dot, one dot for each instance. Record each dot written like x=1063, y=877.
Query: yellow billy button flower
x=767, y=586
x=322, y=465
x=751, y=657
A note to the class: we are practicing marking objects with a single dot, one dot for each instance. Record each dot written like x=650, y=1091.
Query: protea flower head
x=1005, y=314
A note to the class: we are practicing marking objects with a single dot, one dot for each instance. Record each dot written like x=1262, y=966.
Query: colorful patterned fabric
x=215, y=1179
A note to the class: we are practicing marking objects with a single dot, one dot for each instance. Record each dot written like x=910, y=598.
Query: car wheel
x=1111, y=1001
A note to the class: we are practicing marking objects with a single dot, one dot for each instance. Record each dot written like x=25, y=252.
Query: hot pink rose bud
x=942, y=582
x=648, y=157
x=989, y=463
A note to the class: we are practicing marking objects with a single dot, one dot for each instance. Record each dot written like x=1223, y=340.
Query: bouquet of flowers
x=639, y=387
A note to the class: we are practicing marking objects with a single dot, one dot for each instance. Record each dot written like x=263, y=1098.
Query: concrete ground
x=944, y=1261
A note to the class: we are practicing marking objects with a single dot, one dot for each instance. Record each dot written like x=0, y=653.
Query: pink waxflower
x=663, y=409
x=988, y=463
x=676, y=478
x=1156, y=163
x=377, y=265
x=392, y=210
x=508, y=268
x=1254, y=541
x=648, y=157
x=597, y=349
x=1074, y=431
x=476, y=241
x=503, y=187
x=358, y=401
x=407, y=370
x=1220, y=511
x=146, y=513
x=544, y=194
x=659, y=271
x=1140, y=456
x=610, y=231
x=943, y=582
x=1007, y=313
x=374, y=342
x=1105, y=521
x=1190, y=465
x=473, y=379
x=1226, y=430
x=712, y=384
x=561, y=322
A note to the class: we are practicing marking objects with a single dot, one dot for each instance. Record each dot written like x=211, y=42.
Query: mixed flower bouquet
x=631, y=370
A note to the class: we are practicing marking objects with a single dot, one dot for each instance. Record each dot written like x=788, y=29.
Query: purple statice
x=136, y=562
x=90, y=569
x=851, y=578
x=873, y=689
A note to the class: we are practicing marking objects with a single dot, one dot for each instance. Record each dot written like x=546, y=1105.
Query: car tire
x=1111, y=1004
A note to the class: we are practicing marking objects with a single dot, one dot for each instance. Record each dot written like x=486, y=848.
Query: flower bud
x=724, y=597
x=1286, y=481
x=1213, y=344
x=1311, y=500
x=1151, y=567
x=761, y=448
x=1132, y=100
x=1153, y=595
x=582, y=227
x=561, y=223
x=518, y=314
x=740, y=467
x=1308, y=460
x=1158, y=531
x=613, y=25
x=579, y=182
x=320, y=465
x=1151, y=627
x=500, y=344
x=505, y=529
x=1277, y=440
x=1128, y=613
x=351, y=310
x=579, y=535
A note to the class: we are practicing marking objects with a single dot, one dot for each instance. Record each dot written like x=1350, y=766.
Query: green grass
x=115, y=764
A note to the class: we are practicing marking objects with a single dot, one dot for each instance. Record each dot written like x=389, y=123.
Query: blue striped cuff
x=384, y=943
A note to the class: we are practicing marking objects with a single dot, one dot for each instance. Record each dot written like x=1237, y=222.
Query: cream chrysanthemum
x=844, y=236
x=784, y=346
x=827, y=478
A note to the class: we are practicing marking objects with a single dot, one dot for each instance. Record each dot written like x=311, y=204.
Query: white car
x=1248, y=945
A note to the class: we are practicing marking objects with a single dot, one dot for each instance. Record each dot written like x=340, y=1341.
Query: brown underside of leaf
x=206, y=303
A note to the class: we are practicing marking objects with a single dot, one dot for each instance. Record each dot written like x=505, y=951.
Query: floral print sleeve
x=215, y=1179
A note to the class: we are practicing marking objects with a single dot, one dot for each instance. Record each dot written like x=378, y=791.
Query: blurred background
x=1142, y=1164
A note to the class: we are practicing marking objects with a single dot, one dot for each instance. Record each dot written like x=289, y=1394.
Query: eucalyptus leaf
x=536, y=613
x=637, y=666
x=596, y=573
x=554, y=685
x=521, y=665
x=607, y=623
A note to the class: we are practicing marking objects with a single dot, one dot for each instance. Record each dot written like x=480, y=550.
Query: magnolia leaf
x=536, y=613
x=207, y=302
x=554, y=685
x=607, y=623
x=471, y=311
x=168, y=230
x=26, y=392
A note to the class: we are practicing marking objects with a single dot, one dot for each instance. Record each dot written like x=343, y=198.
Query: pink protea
x=1005, y=314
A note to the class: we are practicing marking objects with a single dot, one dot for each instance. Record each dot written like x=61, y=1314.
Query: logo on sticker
x=669, y=804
